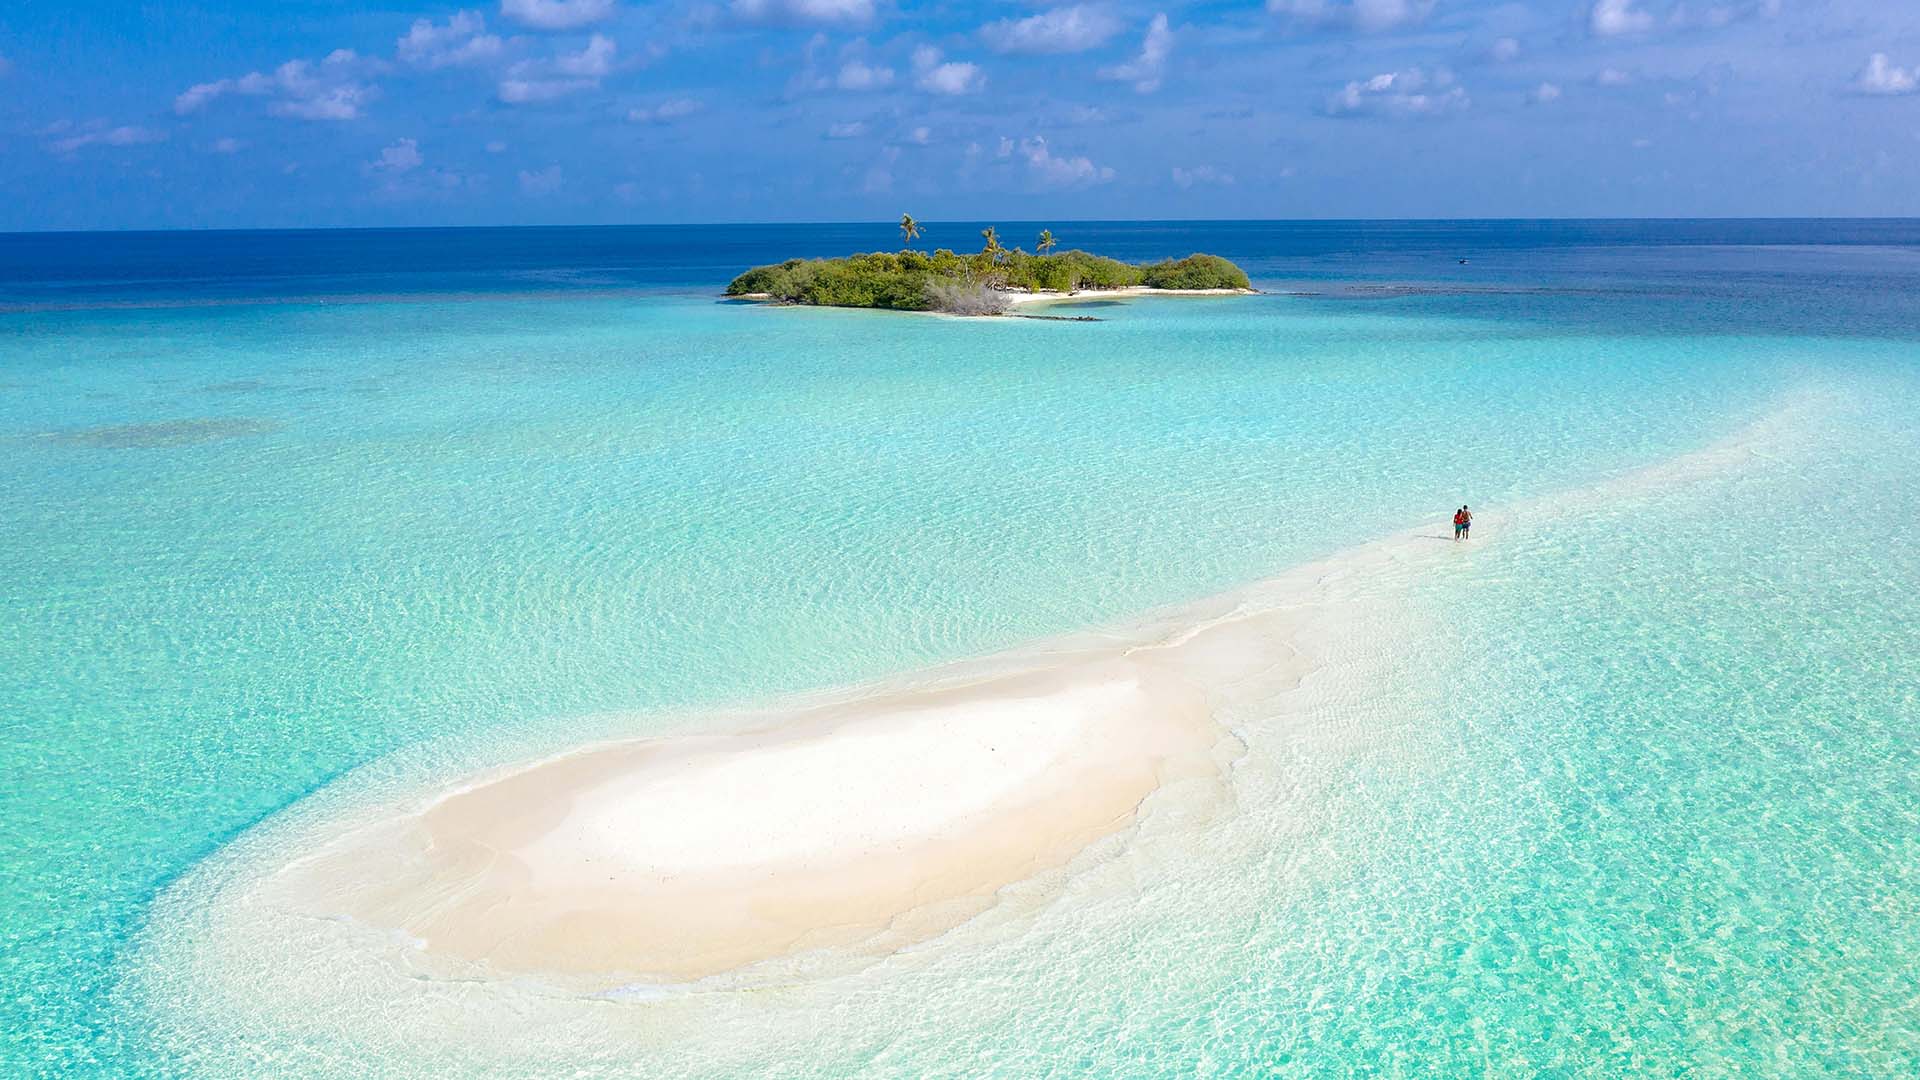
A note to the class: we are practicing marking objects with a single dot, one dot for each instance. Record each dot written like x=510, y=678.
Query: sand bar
x=876, y=821
x=864, y=821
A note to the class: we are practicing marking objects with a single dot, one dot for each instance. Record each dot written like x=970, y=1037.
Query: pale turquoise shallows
x=1650, y=808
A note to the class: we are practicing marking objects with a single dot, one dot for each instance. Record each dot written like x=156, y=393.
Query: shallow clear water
x=1644, y=804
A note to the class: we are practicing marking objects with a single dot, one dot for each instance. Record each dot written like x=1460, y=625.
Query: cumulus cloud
x=532, y=81
x=332, y=89
x=463, y=40
x=542, y=183
x=1072, y=29
x=1366, y=16
x=556, y=14
x=227, y=145
x=402, y=156
x=836, y=12
x=1881, y=78
x=124, y=135
x=1545, y=94
x=852, y=129
x=937, y=75
x=1144, y=71
x=1504, y=50
x=1412, y=92
x=1611, y=77
x=1052, y=170
x=1616, y=18
x=666, y=112
x=920, y=136
x=1200, y=174
x=859, y=75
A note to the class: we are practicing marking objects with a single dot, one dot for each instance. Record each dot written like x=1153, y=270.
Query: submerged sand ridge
x=851, y=826
x=881, y=820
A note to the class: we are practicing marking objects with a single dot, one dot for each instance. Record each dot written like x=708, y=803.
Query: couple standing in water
x=1462, y=524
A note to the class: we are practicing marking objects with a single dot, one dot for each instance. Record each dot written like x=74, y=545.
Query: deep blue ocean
x=1632, y=789
x=1840, y=275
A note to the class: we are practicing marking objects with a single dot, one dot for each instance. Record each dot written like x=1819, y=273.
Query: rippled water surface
x=1631, y=791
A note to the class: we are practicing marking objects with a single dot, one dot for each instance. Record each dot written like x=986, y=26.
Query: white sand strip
x=878, y=818
x=1044, y=296
x=671, y=859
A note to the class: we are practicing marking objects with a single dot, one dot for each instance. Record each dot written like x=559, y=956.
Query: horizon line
x=954, y=221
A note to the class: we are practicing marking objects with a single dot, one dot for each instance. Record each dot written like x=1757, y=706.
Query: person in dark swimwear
x=1459, y=523
x=1466, y=526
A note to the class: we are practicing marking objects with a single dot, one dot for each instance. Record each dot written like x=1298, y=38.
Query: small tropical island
x=987, y=282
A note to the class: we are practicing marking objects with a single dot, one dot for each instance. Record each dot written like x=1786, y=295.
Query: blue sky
x=219, y=113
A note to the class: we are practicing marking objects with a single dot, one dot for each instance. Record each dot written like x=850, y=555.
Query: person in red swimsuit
x=1460, y=519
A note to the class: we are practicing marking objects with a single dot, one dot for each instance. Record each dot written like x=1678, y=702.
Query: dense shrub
x=1194, y=272
x=945, y=281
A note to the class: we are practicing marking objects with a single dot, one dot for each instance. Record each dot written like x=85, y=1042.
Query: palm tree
x=992, y=237
x=909, y=229
x=1046, y=243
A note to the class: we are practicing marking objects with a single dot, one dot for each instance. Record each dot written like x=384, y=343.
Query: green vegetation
x=911, y=280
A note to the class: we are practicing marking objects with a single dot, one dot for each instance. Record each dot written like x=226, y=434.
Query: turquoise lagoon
x=1628, y=786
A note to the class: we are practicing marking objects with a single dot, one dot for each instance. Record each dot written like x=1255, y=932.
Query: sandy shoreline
x=1047, y=297
x=852, y=825
x=669, y=859
x=882, y=817
x=1023, y=299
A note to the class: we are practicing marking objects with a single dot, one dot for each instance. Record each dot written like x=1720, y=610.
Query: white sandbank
x=1044, y=296
x=674, y=858
x=857, y=823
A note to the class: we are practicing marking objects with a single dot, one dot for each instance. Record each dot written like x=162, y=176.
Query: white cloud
x=1062, y=30
x=463, y=40
x=1367, y=16
x=1614, y=18
x=228, y=145
x=1504, y=50
x=920, y=136
x=666, y=112
x=858, y=75
x=402, y=156
x=1880, y=77
x=1144, y=70
x=591, y=62
x=938, y=76
x=1200, y=174
x=1612, y=77
x=330, y=90
x=531, y=81
x=1545, y=94
x=838, y=12
x=124, y=135
x=853, y=129
x=545, y=182
x=1412, y=92
x=1054, y=171
x=556, y=14
x=496, y=147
